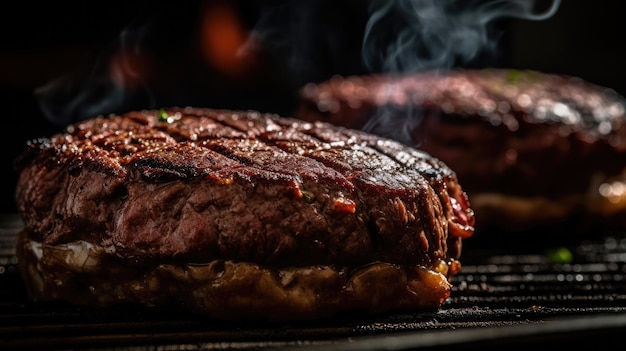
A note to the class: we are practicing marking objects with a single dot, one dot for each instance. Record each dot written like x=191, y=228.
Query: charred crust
x=241, y=185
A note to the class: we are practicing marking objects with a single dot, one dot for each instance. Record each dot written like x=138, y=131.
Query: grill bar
x=497, y=298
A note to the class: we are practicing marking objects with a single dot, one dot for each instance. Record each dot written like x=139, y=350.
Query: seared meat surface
x=237, y=214
x=243, y=186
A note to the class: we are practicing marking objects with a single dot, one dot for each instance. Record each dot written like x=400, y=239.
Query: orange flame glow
x=222, y=38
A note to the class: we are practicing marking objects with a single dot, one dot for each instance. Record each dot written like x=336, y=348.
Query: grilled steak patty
x=530, y=148
x=184, y=190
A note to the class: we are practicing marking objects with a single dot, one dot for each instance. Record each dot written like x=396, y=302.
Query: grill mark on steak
x=304, y=154
x=336, y=190
x=372, y=162
x=439, y=176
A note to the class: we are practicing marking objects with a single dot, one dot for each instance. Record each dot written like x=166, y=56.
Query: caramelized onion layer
x=86, y=275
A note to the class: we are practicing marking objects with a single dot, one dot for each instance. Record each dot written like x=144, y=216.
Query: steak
x=237, y=213
x=531, y=149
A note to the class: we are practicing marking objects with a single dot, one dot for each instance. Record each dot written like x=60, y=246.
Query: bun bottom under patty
x=87, y=275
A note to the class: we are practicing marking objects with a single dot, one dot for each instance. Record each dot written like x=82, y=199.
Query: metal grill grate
x=498, y=298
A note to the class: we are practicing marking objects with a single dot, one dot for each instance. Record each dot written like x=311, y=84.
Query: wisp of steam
x=411, y=36
x=403, y=37
x=111, y=84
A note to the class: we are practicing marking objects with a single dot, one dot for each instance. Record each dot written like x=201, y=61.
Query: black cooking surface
x=563, y=296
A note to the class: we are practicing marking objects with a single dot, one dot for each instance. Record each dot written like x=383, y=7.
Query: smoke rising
x=411, y=36
x=403, y=37
x=312, y=39
x=116, y=81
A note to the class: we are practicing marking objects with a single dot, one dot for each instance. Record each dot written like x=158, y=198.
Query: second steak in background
x=535, y=151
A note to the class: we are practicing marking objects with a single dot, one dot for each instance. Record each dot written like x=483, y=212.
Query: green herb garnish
x=513, y=76
x=163, y=117
x=560, y=255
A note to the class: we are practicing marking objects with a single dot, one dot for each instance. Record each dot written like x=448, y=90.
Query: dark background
x=70, y=46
